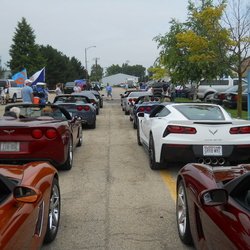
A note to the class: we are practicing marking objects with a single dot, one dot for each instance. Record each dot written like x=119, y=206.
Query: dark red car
x=213, y=206
x=39, y=135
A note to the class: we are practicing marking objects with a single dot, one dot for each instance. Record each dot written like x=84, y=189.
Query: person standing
x=109, y=91
x=27, y=93
x=165, y=88
x=77, y=88
x=58, y=89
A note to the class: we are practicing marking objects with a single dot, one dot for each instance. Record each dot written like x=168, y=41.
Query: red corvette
x=213, y=206
x=43, y=132
x=29, y=205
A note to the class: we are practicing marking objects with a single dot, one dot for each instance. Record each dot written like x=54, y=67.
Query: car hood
x=12, y=171
x=227, y=173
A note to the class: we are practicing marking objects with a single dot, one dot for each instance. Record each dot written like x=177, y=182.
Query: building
x=117, y=79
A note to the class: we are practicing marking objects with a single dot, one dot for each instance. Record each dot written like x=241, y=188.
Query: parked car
x=144, y=104
x=68, y=87
x=98, y=96
x=78, y=105
x=91, y=97
x=218, y=97
x=126, y=93
x=30, y=205
x=38, y=135
x=207, y=87
x=193, y=132
x=232, y=97
x=213, y=206
x=130, y=99
x=14, y=91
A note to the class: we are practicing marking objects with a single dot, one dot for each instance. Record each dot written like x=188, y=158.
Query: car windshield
x=71, y=99
x=200, y=112
x=36, y=111
x=136, y=94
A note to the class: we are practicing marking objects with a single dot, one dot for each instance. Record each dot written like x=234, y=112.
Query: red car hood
x=228, y=173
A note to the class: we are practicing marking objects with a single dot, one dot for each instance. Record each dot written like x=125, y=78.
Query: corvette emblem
x=213, y=133
x=9, y=131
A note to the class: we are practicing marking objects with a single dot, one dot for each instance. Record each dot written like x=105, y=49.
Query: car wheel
x=97, y=111
x=93, y=125
x=79, y=144
x=69, y=162
x=54, y=213
x=138, y=137
x=151, y=153
x=14, y=99
x=130, y=118
x=126, y=112
x=134, y=124
x=182, y=215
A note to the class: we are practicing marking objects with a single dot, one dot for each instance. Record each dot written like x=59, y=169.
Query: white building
x=118, y=78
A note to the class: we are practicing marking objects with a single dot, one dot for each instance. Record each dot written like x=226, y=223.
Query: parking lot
x=111, y=199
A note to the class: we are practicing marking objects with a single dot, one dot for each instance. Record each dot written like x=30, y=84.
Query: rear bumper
x=192, y=153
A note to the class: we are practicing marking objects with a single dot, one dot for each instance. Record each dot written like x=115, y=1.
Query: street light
x=86, y=60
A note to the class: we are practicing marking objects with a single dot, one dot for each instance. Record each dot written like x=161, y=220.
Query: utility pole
x=96, y=68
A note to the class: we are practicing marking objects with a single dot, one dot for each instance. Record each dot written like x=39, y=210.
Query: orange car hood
x=12, y=171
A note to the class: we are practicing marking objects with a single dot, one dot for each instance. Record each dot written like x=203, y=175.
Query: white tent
x=118, y=78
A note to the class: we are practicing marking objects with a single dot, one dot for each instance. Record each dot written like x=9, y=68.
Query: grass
x=233, y=112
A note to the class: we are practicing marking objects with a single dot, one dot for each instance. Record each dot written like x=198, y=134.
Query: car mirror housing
x=26, y=194
x=214, y=197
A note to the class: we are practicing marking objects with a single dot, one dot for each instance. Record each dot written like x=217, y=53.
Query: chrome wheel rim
x=181, y=210
x=54, y=209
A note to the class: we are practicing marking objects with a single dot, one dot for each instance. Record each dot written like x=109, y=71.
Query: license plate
x=10, y=146
x=212, y=150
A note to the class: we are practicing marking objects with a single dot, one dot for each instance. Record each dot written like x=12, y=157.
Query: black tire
x=79, y=144
x=182, y=215
x=97, y=111
x=138, y=137
x=135, y=123
x=14, y=98
x=151, y=153
x=54, y=212
x=126, y=112
x=69, y=162
x=93, y=125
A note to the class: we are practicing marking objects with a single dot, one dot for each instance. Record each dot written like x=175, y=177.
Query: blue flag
x=20, y=77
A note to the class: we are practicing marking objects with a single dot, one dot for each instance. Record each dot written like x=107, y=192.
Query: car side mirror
x=26, y=194
x=214, y=197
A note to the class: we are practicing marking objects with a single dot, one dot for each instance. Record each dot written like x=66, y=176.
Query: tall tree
x=24, y=52
x=237, y=19
x=96, y=72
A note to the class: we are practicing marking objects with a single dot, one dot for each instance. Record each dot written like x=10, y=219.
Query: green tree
x=96, y=73
x=24, y=52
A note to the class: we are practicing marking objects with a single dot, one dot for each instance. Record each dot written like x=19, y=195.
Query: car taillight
x=148, y=109
x=86, y=108
x=93, y=101
x=235, y=97
x=37, y=133
x=141, y=109
x=240, y=130
x=172, y=129
x=130, y=99
x=222, y=96
x=79, y=108
x=50, y=133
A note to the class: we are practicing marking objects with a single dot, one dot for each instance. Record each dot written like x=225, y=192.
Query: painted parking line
x=170, y=182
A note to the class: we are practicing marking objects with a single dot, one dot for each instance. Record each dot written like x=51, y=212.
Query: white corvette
x=193, y=132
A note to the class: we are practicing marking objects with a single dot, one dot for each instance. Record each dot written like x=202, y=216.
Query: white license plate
x=212, y=150
x=10, y=146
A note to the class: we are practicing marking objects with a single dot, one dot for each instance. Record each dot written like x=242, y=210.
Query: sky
x=122, y=31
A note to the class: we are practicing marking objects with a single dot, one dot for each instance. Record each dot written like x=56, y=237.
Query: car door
x=226, y=227
x=18, y=224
